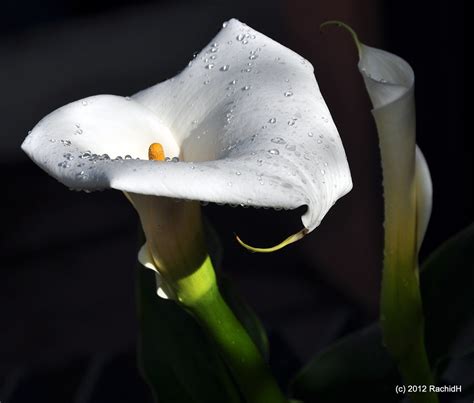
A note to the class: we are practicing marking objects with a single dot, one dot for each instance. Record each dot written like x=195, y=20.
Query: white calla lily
x=245, y=118
x=389, y=81
x=247, y=124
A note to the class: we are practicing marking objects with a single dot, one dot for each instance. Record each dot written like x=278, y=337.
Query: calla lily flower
x=407, y=185
x=245, y=121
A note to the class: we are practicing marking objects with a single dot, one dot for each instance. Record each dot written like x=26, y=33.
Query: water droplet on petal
x=209, y=66
x=253, y=57
x=274, y=151
x=224, y=24
x=214, y=50
x=272, y=120
x=310, y=134
x=206, y=82
x=82, y=175
x=84, y=103
x=240, y=37
x=175, y=159
x=238, y=173
x=287, y=93
x=246, y=88
x=278, y=140
x=225, y=67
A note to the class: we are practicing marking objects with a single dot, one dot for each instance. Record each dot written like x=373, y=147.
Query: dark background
x=67, y=304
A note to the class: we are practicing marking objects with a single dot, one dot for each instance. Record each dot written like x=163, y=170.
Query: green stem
x=200, y=295
x=403, y=326
x=416, y=370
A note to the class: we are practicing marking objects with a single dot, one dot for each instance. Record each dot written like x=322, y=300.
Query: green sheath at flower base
x=200, y=294
x=175, y=250
x=407, y=198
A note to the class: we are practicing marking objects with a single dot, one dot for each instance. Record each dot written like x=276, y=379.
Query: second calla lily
x=389, y=81
x=245, y=121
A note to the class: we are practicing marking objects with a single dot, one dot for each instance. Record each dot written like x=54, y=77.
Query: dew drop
x=68, y=156
x=209, y=66
x=310, y=134
x=287, y=93
x=225, y=67
x=272, y=120
x=206, y=82
x=238, y=173
x=52, y=140
x=82, y=175
x=175, y=159
x=128, y=157
x=273, y=151
x=233, y=82
x=240, y=37
x=214, y=50
x=84, y=103
x=277, y=140
x=224, y=24
x=246, y=88
x=253, y=56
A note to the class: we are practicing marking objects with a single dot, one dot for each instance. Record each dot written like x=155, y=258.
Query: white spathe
x=390, y=84
x=245, y=117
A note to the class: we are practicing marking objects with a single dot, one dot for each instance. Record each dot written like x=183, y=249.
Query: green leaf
x=447, y=284
x=358, y=367
x=355, y=368
x=175, y=356
x=246, y=316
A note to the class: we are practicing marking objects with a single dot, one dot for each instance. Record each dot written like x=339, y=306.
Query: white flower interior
x=245, y=117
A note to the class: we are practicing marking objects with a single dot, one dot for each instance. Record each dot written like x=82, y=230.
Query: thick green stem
x=199, y=294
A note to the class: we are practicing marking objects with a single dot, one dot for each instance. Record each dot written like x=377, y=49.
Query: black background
x=68, y=259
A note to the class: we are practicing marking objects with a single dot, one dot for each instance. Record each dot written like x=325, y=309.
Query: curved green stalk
x=200, y=294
